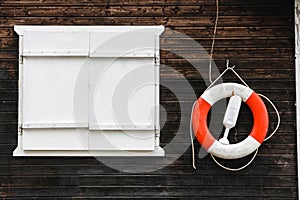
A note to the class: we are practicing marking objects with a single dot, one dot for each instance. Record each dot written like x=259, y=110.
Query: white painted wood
x=21, y=29
x=157, y=99
x=158, y=152
x=121, y=140
x=19, y=151
x=122, y=127
x=55, y=139
x=42, y=53
x=20, y=88
x=55, y=125
x=48, y=94
x=82, y=139
x=122, y=92
x=59, y=43
x=135, y=43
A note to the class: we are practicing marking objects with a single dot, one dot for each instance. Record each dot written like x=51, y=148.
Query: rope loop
x=235, y=169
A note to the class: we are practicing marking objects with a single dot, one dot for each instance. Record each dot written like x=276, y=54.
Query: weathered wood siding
x=257, y=36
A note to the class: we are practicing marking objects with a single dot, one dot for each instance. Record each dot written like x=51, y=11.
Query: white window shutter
x=88, y=89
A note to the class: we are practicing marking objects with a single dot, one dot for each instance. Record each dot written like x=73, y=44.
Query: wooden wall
x=257, y=36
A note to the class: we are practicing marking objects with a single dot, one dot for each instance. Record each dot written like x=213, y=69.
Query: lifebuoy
x=243, y=148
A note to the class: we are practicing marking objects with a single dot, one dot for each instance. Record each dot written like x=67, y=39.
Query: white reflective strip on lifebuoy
x=225, y=90
x=234, y=151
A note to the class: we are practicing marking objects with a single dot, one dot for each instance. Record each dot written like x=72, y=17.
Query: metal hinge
x=20, y=132
x=157, y=60
x=21, y=59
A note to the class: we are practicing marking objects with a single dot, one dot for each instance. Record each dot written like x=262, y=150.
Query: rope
x=228, y=68
x=278, y=116
x=213, y=40
x=235, y=169
x=191, y=134
x=210, y=79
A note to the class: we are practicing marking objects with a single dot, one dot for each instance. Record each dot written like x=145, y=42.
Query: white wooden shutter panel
x=56, y=43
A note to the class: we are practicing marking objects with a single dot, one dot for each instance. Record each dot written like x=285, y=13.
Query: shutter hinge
x=157, y=60
x=20, y=132
x=21, y=59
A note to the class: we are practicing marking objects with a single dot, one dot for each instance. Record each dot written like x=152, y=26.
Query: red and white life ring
x=243, y=148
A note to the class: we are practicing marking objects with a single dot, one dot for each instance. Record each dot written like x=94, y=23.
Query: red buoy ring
x=243, y=148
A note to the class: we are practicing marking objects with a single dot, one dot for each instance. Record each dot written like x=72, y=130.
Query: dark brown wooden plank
x=245, y=63
x=9, y=43
x=228, y=32
x=92, y=3
x=158, y=190
x=285, y=113
x=130, y=180
x=172, y=22
x=6, y=96
x=8, y=54
x=143, y=11
x=8, y=85
x=255, y=74
x=263, y=63
x=8, y=117
x=243, y=127
x=212, y=169
x=185, y=95
x=8, y=106
x=6, y=32
x=144, y=197
x=10, y=74
x=229, y=53
x=238, y=42
x=192, y=73
x=6, y=159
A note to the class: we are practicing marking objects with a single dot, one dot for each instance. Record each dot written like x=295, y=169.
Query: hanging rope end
x=227, y=63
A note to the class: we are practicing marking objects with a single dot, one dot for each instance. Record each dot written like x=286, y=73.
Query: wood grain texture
x=257, y=36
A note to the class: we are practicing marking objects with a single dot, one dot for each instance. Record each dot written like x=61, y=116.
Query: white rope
x=217, y=78
x=239, y=77
x=235, y=169
x=278, y=116
x=213, y=40
x=228, y=68
x=191, y=134
x=210, y=79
